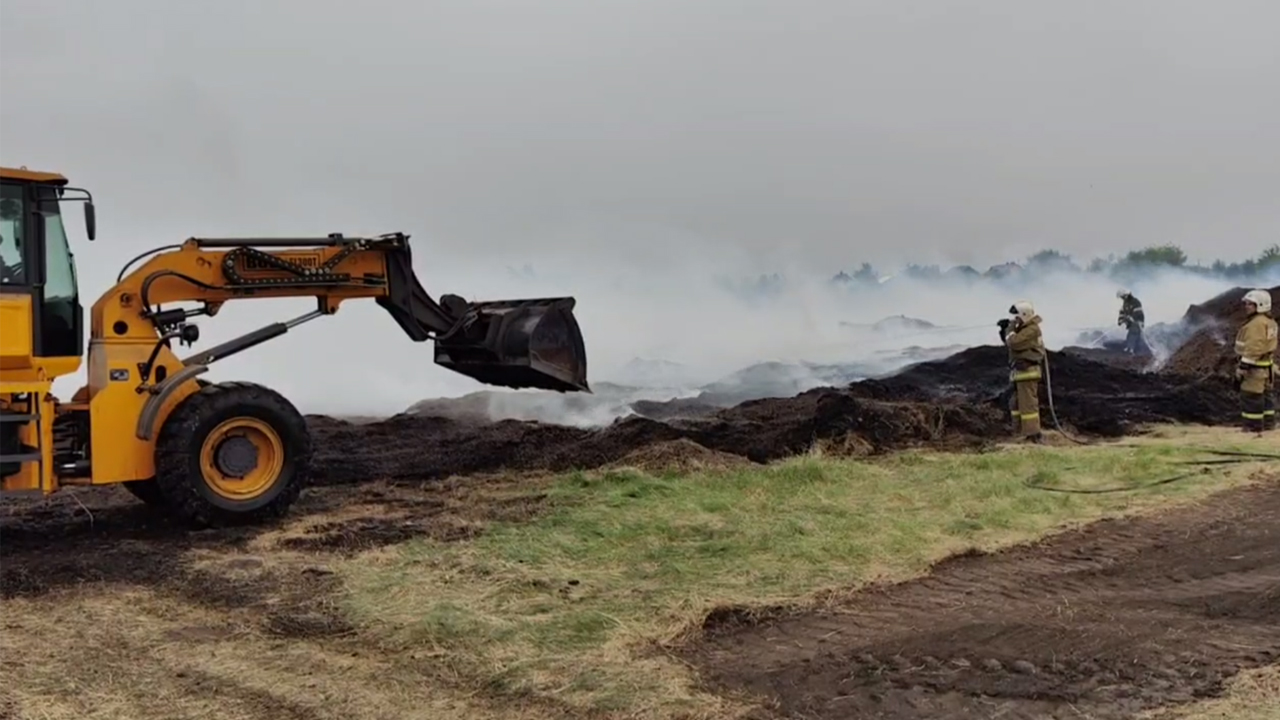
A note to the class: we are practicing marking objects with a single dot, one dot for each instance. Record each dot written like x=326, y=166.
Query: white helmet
x=1122, y=293
x=1261, y=298
x=1023, y=309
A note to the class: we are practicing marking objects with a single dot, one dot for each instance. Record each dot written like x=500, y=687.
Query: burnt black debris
x=959, y=401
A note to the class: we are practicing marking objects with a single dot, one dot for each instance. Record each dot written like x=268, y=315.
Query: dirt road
x=1099, y=623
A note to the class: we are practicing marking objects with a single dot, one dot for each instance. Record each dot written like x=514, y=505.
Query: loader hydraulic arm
x=530, y=343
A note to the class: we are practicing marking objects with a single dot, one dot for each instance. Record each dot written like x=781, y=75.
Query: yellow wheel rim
x=242, y=458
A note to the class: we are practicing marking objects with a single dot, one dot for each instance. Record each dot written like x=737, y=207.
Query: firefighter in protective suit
x=1256, y=373
x=1026, y=352
x=1132, y=319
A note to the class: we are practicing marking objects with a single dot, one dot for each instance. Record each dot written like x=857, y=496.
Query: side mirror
x=90, y=220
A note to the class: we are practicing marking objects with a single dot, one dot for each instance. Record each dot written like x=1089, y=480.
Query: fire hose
x=1231, y=457
x=1053, y=413
x=1226, y=457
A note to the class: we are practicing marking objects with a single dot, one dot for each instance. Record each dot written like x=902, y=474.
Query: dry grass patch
x=130, y=655
x=1252, y=695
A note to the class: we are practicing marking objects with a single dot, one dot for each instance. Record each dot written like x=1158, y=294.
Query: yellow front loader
x=211, y=453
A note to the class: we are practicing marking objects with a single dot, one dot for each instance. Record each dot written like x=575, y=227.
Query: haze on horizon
x=629, y=152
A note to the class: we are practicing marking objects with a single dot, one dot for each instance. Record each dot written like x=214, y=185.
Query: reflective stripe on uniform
x=1254, y=416
x=1256, y=363
x=1025, y=375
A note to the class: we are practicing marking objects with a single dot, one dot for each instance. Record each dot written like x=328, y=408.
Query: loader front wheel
x=148, y=491
x=232, y=453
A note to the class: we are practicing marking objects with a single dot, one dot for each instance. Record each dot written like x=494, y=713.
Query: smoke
x=664, y=313
x=673, y=317
x=681, y=332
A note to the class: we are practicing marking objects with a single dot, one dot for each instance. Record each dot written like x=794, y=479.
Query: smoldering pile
x=957, y=402
x=1210, y=349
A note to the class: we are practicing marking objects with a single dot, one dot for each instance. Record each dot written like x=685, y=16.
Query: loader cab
x=37, y=267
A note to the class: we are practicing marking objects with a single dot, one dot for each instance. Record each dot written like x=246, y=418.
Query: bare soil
x=104, y=535
x=1104, y=622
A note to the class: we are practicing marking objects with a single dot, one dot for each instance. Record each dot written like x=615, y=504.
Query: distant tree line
x=1128, y=267
x=1126, y=270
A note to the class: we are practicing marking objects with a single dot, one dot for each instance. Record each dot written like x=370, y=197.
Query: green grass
x=566, y=606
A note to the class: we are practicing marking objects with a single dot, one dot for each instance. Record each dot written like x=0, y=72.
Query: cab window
x=59, y=265
x=60, y=316
x=13, y=204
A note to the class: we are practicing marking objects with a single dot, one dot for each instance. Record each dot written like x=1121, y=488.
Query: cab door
x=59, y=320
x=17, y=299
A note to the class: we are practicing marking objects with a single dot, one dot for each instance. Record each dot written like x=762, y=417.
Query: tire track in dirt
x=1120, y=616
x=106, y=537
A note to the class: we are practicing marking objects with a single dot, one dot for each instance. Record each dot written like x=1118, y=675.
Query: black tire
x=182, y=456
x=148, y=491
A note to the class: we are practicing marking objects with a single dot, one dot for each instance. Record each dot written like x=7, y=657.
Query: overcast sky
x=843, y=128
x=615, y=137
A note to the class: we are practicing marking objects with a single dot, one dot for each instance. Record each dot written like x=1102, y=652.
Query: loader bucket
x=520, y=344
x=531, y=343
